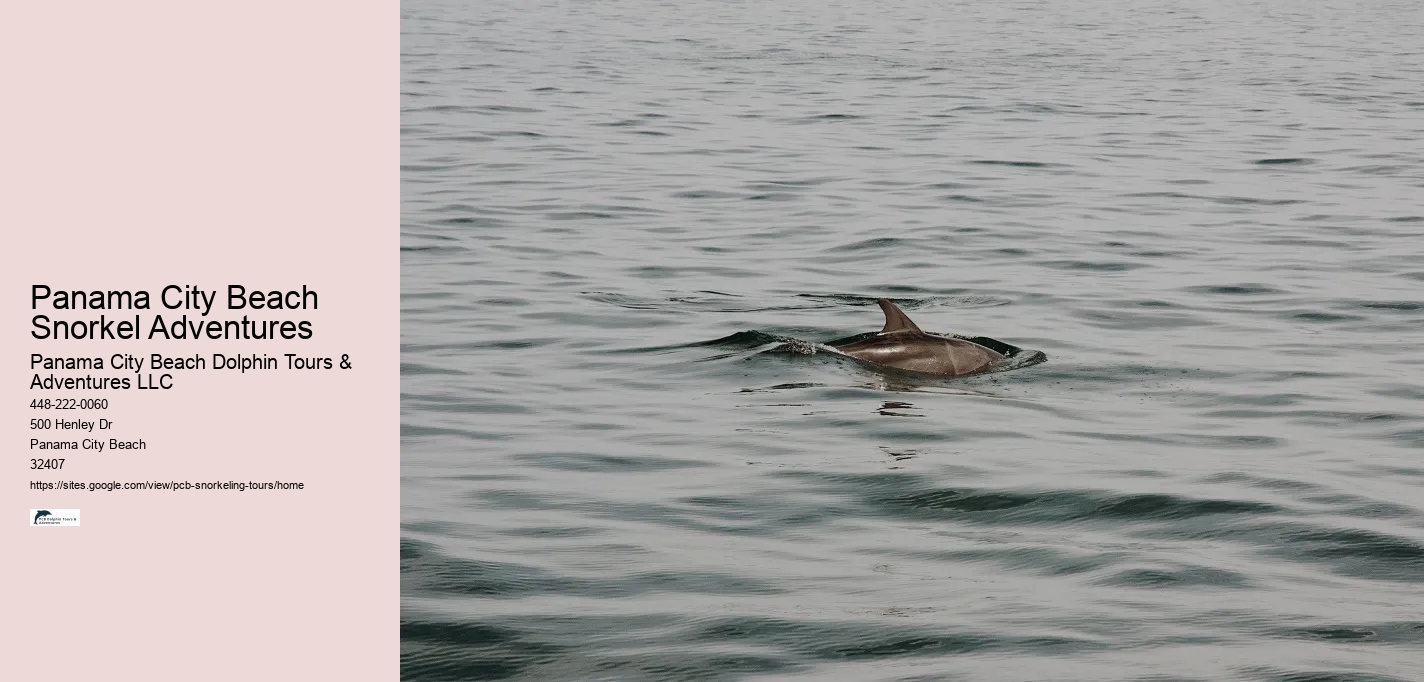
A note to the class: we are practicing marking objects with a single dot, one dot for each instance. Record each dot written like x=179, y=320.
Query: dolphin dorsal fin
x=895, y=319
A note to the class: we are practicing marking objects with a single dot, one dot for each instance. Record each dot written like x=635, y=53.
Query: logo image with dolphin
x=39, y=515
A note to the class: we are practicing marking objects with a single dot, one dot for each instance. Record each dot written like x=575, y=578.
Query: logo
x=54, y=517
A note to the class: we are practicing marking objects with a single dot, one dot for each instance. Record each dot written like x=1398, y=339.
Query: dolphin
x=41, y=514
x=902, y=345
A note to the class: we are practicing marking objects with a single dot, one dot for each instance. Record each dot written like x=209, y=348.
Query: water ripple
x=629, y=228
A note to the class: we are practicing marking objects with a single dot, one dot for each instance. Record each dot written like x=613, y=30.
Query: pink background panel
x=254, y=143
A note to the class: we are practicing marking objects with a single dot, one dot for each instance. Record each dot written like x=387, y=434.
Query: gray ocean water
x=1209, y=216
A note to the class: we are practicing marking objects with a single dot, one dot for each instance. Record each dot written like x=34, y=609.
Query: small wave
x=1017, y=164
x=875, y=243
x=1235, y=289
x=1093, y=266
x=1284, y=162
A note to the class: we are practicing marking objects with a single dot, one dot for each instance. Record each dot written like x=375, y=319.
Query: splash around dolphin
x=900, y=348
x=902, y=345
